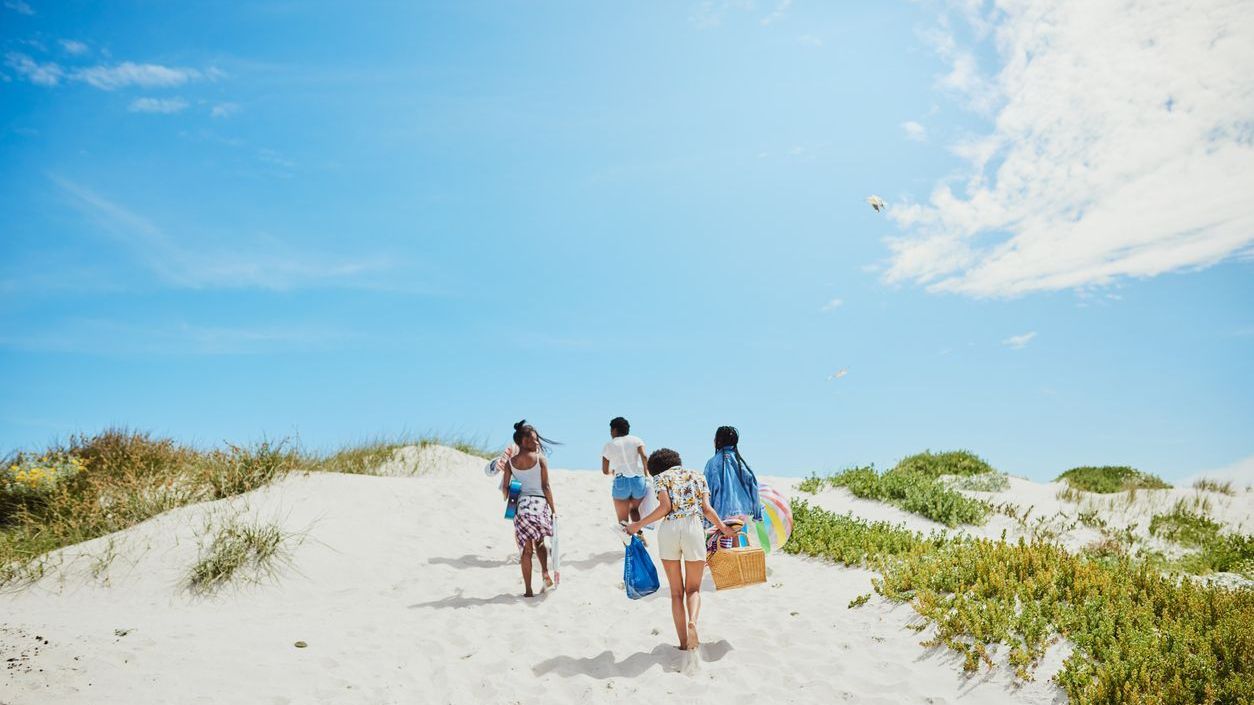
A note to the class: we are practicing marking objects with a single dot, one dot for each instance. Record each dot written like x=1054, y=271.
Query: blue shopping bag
x=639, y=575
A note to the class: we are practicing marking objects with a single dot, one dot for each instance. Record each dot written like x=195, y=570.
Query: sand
x=405, y=589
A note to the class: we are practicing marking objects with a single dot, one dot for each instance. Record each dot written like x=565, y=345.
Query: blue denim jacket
x=733, y=488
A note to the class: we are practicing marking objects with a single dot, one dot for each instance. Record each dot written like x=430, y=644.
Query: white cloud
x=108, y=78
x=49, y=74
x=810, y=40
x=1017, y=342
x=1110, y=155
x=914, y=131
x=261, y=262
x=125, y=74
x=833, y=305
x=781, y=9
x=224, y=110
x=157, y=105
x=73, y=47
x=19, y=7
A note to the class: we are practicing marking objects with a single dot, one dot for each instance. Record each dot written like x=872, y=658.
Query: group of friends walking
x=647, y=488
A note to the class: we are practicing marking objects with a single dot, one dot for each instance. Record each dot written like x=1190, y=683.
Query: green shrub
x=914, y=486
x=1111, y=478
x=1139, y=637
x=1227, y=553
x=954, y=462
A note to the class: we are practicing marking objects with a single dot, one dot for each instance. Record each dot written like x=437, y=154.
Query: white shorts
x=681, y=539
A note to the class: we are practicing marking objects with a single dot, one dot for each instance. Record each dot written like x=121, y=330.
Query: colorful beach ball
x=773, y=531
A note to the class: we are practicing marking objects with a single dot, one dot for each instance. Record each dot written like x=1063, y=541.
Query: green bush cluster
x=914, y=485
x=1111, y=478
x=1215, y=551
x=95, y=485
x=1139, y=636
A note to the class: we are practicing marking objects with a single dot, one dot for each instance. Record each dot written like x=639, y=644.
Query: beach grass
x=94, y=485
x=235, y=548
x=1138, y=636
x=1211, y=485
x=915, y=484
x=1107, y=479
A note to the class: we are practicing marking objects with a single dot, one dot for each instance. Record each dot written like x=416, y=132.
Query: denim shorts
x=629, y=487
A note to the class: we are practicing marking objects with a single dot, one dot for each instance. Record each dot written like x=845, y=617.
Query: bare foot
x=693, y=640
x=548, y=581
x=529, y=594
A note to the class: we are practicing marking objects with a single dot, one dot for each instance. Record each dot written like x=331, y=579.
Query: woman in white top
x=625, y=459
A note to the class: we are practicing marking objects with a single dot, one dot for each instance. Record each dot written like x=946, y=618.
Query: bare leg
x=675, y=579
x=621, y=508
x=526, y=567
x=692, y=594
x=543, y=552
x=634, y=508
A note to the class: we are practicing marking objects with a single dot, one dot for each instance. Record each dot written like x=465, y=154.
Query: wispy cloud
x=810, y=40
x=224, y=110
x=108, y=77
x=73, y=47
x=1108, y=159
x=264, y=263
x=781, y=9
x=19, y=7
x=109, y=337
x=914, y=131
x=1016, y=342
x=41, y=74
x=157, y=105
x=832, y=305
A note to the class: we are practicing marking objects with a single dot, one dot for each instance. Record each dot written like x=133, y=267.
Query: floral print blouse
x=686, y=488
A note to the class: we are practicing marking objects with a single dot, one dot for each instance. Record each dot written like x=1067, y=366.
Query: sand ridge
x=405, y=589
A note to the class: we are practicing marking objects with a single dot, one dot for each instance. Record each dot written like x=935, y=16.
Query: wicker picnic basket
x=737, y=567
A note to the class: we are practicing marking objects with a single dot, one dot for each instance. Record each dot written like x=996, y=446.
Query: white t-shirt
x=624, y=456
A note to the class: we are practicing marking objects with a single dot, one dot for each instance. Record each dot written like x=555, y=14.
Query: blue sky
x=334, y=223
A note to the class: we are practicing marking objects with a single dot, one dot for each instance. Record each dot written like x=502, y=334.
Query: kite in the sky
x=838, y=374
x=876, y=202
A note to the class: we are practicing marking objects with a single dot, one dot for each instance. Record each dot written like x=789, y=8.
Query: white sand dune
x=405, y=590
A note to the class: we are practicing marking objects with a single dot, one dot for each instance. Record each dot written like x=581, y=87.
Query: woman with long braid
x=733, y=486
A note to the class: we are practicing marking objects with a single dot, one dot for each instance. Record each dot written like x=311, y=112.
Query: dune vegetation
x=92, y=486
x=1138, y=635
x=1106, y=479
x=918, y=484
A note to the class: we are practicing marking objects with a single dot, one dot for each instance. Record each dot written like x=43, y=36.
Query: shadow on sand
x=460, y=601
x=606, y=665
x=594, y=561
x=469, y=561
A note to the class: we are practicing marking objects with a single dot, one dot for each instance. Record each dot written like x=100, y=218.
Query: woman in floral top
x=683, y=498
